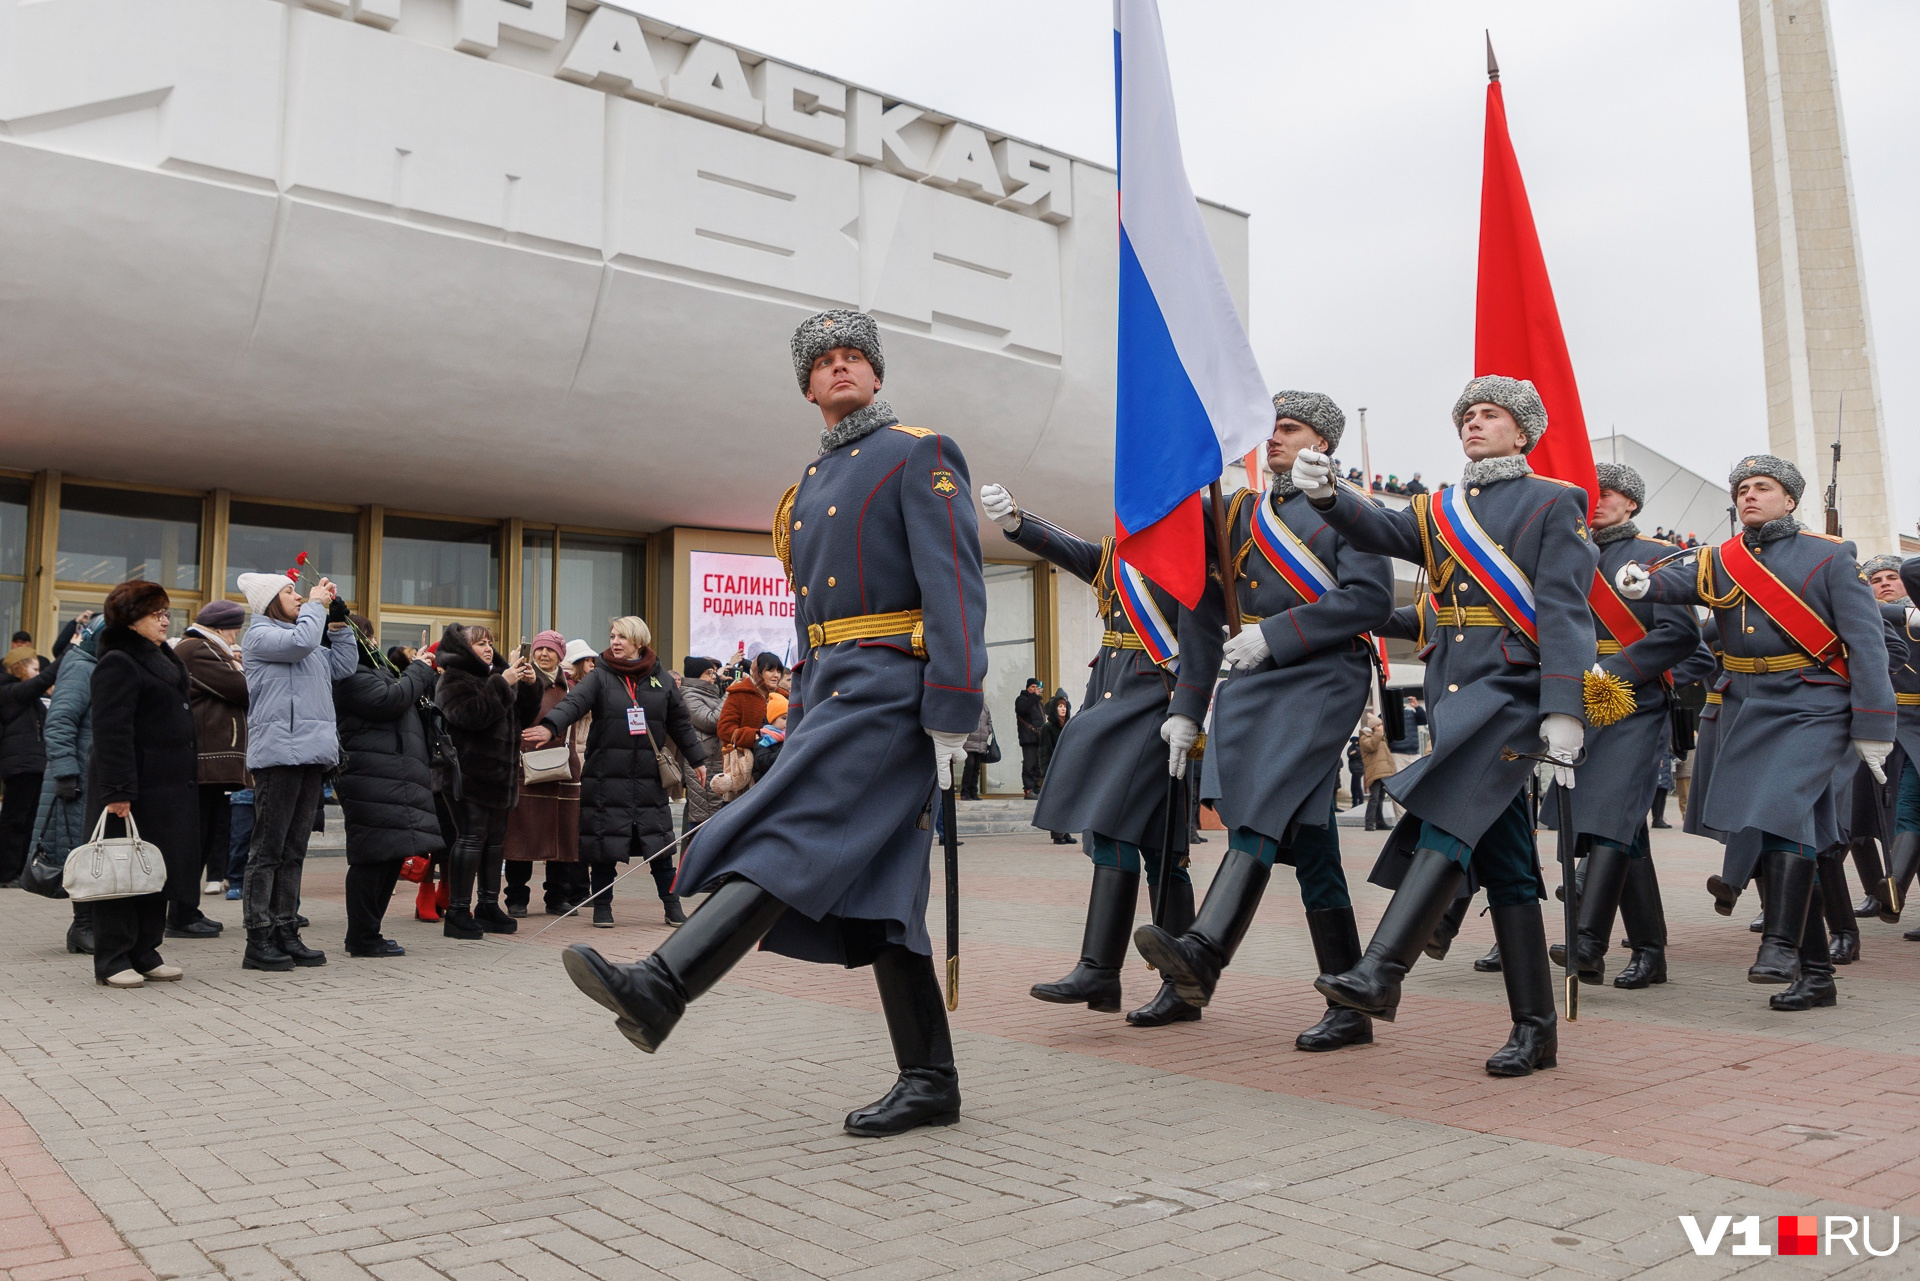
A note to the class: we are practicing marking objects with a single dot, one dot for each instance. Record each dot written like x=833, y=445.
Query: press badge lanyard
x=636, y=714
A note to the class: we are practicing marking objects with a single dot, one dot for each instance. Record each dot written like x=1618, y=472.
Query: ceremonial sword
x=950, y=842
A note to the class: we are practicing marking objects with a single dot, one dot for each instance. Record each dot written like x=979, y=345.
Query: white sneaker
x=163, y=974
x=215, y=887
x=125, y=978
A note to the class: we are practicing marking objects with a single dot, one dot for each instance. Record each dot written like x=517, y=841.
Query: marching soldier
x=1298, y=676
x=1509, y=563
x=1903, y=853
x=1806, y=678
x=1874, y=804
x=1638, y=643
x=1106, y=777
x=825, y=859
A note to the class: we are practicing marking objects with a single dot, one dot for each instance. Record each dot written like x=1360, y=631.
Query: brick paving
x=462, y=1113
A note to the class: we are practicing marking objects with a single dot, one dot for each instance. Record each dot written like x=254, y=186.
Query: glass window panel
x=13, y=525
x=112, y=535
x=599, y=581
x=441, y=564
x=536, y=581
x=1010, y=656
x=264, y=539
x=10, y=611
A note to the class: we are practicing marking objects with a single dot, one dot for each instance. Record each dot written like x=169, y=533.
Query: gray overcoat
x=1279, y=734
x=837, y=829
x=1487, y=687
x=1782, y=734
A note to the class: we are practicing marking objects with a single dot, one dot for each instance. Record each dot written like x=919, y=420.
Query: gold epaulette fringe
x=783, y=529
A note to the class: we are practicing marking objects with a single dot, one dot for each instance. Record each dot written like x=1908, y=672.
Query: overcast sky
x=1352, y=134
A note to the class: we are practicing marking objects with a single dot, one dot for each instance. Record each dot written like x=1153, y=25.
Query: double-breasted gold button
x=830, y=580
x=803, y=590
x=855, y=454
x=833, y=511
x=1454, y=689
x=1475, y=491
x=812, y=470
x=796, y=524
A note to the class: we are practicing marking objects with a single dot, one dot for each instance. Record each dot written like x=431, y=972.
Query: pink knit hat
x=550, y=640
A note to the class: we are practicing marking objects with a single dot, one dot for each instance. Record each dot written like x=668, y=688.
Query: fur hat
x=1622, y=479
x=1515, y=395
x=260, y=589
x=1870, y=567
x=132, y=601
x=221, y=614
x=1316, y=411
x=836, y=328
x=1768, y=465
x=549, y=640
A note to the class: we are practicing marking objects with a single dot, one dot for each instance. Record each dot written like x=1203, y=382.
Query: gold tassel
x=1608, y=699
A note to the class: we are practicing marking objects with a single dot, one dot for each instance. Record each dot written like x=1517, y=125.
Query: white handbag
x=547, y=764
x=123, y=867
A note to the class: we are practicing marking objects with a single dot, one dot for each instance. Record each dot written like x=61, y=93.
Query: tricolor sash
x=1157, y=636
x=1484, y=562
x=1788, y=612
x=1613, y=613
x=1289, y=557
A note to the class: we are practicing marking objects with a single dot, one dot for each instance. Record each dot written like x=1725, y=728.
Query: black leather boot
x=1903, y=859
x=1789, y=892
x=1373, y=986
x=1192, y=961
x=1814, y=987
x=1336, y=949
x=1599, y=892
x=288, y=939
x=649, y=997
x=1832, y=901
x=80, y=933
x=928, y=1091
x=1443, y=934
x=1725, y=896
x=1535, y=1039
x=463, y=865
x=1645, y=918
x=1095, y=981
x=487, y=912
x=1873, y=880
x=263, y=953
x=1490, y=963
x=1166, y=1006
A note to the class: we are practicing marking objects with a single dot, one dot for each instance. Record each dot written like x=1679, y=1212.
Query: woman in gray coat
x=69, y=742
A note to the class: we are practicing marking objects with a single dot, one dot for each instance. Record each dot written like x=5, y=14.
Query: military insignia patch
x=944, y=484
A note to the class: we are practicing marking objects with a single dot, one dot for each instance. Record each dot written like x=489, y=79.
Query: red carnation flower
x=301, y=559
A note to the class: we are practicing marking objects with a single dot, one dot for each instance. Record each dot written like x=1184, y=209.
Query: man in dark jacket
x=385, y=787
x=1029, y=720
x=23, y=760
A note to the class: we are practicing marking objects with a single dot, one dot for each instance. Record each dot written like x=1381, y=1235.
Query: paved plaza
x=463, y=1113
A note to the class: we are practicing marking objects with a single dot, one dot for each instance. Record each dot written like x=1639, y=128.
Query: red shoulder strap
x=1788, y=612
x=1620, y=621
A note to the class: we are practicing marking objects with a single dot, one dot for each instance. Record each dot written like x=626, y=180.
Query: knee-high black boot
x=1903, y=859
x=1166, y=1006
x=80, y=933
x=1599, y=892
x=1373, y=986
x=1336, y=949
x=1443, y=934
x=463, y=866
x=1788, y=891
x=1660, y=808
x=1873, y=880
x=1645, y=919
x=1095, y=981
x=1837, y=906
x=1815, y=986
x=650, y=997
x=928, y=1091
x=1192, y=961
x=1535, y=1039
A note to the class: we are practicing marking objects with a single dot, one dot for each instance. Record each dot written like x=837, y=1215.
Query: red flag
x=1516, y=325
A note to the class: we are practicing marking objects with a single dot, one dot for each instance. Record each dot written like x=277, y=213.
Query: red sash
x=1788, y=612
x=1607, y=606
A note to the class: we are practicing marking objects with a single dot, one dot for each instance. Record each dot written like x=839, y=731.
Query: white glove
x=1313, y=474
x=949, y=755
x=1875, y=754
x=1001, y=509
x=1633, y=580
x=1247, y=650
x=1180, y=733
x=1563, y=736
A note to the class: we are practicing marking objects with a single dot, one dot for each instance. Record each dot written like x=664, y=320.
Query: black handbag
x=992, y=755
x=43, y=875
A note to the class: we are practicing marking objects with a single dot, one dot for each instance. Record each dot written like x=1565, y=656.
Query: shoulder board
x=915, y=432
x=1832, y=538
x=1554, y=480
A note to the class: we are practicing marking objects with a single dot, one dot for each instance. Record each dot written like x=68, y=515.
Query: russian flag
x=1190, y=396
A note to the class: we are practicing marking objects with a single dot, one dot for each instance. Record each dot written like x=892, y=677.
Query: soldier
x=1105, y=778
x=1638, y=643
x=1876, y=807
x=1507, y=557
x=1806, y=675
x=1298, y=676
x=825, y=859
x=1903, y=853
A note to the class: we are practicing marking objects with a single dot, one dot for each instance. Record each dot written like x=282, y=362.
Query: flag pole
x=1228, y=587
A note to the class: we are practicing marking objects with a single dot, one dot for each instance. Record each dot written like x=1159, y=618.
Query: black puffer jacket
x=485, y=716
x=623, y=808
x=145, y=751
x=23, y=720
x=386, y=779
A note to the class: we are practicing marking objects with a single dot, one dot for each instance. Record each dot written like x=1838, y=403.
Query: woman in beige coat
x=1377, y=761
